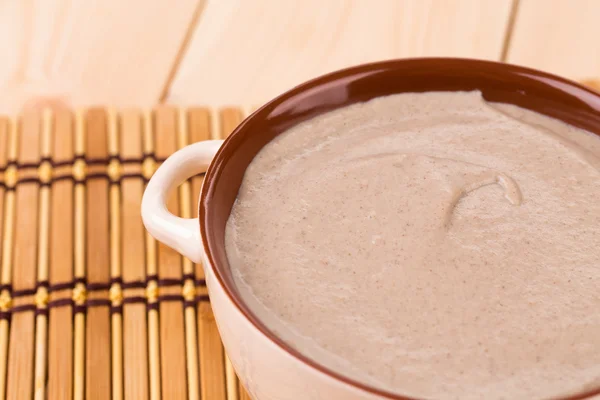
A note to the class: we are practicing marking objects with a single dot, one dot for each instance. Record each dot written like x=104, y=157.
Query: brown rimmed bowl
x=268, y=367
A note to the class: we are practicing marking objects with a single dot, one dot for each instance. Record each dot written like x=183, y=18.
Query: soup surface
x=433, y=245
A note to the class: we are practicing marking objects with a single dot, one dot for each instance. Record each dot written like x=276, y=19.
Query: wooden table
x=244, y=52
x=138, y=53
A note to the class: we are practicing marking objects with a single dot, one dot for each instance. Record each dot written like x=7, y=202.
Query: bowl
x=269, y=368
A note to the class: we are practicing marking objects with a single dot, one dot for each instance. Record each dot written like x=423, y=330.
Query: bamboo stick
x=189, y=288
x=152, y=270
x=98, y=333
x=243, y=393
x=212, y=360
x=21, y=350
x=230, y=118
x=199, y=127
x=60, y=335
x=79, y=292
x=172, y=330
x=135, y=326
x=116, y=296
x=10, y=146
x=41, y=332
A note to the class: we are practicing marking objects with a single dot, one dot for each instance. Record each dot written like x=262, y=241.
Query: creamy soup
x=433, y=245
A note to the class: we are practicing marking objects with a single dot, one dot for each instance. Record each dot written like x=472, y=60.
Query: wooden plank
x=135, y=343
x=571, y=52
x=21, y=350
x=86, y=53
x=296, y=41
x=97, y=368
x=172, y=345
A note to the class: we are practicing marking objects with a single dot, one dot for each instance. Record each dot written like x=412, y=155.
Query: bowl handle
x=182, y=234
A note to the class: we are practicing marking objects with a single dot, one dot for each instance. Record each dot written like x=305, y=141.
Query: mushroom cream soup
x=430, y=244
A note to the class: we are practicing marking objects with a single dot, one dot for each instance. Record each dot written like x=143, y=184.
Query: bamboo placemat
x=90, y=305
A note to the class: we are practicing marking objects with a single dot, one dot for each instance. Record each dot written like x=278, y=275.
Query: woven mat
x=90, y=305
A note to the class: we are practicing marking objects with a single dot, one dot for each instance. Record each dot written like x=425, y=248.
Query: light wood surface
x=246, y=52
x=208, y=52
x=558, y=36
x=89, y=52
x=237, y=52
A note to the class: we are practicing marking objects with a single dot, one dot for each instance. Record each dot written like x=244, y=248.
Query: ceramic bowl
x=268, y=367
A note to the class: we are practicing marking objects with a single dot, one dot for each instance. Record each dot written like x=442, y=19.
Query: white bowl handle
x=182, y=234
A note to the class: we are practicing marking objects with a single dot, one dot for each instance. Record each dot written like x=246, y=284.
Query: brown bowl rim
x=568, y=87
